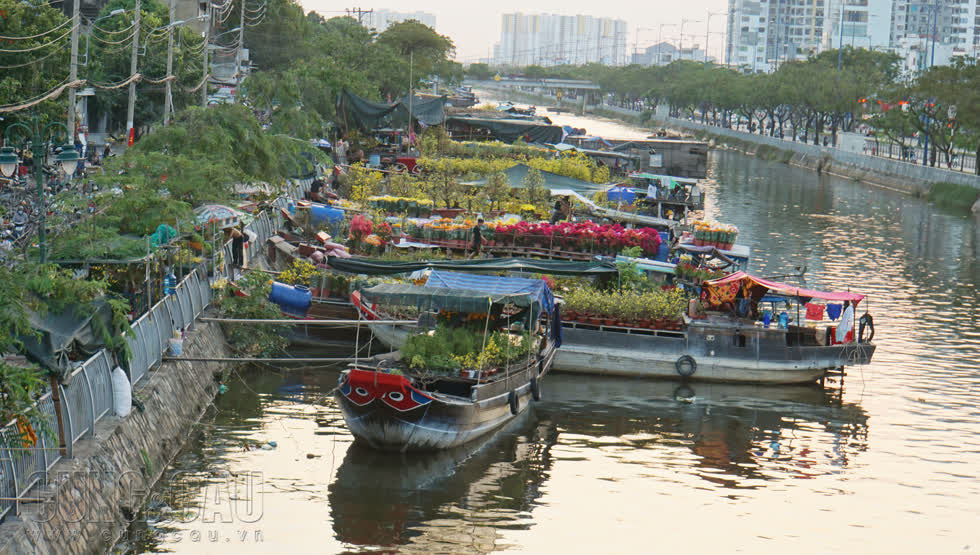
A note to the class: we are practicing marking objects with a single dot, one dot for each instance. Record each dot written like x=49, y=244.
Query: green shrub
x=953, y=195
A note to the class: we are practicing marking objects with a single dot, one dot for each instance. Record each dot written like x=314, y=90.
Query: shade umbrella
x=222, y=216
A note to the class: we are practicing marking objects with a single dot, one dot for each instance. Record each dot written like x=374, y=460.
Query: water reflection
x=739, y=437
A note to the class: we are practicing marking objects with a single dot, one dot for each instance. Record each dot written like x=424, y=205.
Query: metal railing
x=88, y=395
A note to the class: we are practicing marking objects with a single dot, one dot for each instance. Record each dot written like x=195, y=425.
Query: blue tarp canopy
x=619, y=193
x=495, y=286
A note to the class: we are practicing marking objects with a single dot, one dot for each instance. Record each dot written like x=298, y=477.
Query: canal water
x=885, y=462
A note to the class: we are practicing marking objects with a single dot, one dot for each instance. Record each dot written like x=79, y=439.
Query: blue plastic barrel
x=374, y=160
x=169, y=284
x=326, y=214
x=294, y=299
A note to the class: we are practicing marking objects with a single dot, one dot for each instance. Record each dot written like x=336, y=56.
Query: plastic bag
x=122, y=392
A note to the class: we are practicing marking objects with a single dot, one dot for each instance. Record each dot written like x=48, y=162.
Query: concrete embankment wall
x=90, y=499
x=894, y=174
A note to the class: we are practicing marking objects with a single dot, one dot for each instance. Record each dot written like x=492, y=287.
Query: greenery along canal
x=607, y=465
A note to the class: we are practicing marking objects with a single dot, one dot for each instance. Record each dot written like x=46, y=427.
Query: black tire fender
x=535, y=389
x=515, y=405
x=686, y=366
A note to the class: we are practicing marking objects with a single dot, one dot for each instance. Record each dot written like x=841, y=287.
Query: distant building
x=549, y=40
x=664, y=53
x=762, y=34
x=380, y=20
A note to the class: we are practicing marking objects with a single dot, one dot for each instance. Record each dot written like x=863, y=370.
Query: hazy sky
x=475, y=25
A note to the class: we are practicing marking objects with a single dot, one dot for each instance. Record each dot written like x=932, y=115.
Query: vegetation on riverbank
x=953, y=195
x=811, y=98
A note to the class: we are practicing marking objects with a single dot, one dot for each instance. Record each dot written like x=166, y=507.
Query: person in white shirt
x=846, y=324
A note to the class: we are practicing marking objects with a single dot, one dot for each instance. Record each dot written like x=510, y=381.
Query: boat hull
x=416, y=420
x=656, y=355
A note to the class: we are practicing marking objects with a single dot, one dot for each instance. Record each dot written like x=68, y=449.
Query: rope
x=110, y=86
x=67, y=21
x=53, y=93
x=160, y=81
x=38, y=47
x=199, y=85
x=39, y=60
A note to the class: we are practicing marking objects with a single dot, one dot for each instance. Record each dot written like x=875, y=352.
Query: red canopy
x=759, y=286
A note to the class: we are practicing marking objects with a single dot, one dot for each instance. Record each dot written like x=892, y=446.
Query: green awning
x=516, y=174
x=376, y=267
x=438, y=298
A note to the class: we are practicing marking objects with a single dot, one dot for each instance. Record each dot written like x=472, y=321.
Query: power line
x=49, y=31
x=38, y=47
x=360, y=14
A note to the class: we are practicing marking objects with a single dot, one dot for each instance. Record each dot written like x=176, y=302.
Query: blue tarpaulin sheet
x=625, y=195
x=537, y=289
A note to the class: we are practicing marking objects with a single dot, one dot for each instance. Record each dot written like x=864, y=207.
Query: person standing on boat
x=846, y=326
x=477, y=237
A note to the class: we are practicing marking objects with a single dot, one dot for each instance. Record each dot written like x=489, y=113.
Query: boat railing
x=677, y=334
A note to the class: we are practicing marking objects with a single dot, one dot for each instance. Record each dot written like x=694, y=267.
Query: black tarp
x=60, y=333
x=509, y=130
x=376, y=267
x=366, y=115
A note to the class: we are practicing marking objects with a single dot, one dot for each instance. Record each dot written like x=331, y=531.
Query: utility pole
x=132, y=84
x=204, y=70
x=241, y=48
x=360, y=14
x=168, y=102
x=73, y=72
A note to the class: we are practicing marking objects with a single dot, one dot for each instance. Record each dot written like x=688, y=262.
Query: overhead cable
x=38, y=47
x=49, y=31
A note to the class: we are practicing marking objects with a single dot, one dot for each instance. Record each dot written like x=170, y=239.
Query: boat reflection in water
x=734, y=436
x=452, y=500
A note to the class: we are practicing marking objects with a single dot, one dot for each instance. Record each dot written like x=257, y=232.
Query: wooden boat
x=394, y=405
x=721, y=347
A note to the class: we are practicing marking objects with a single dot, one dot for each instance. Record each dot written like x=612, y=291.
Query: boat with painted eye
x=437, y=393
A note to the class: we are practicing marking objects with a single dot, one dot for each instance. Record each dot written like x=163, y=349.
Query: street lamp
x=707, y=26
x=39, y=138
x=88, y=36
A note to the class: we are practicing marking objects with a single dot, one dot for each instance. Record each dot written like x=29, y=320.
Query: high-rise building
x=764, y=33
x=380, y=20
x=549, y=40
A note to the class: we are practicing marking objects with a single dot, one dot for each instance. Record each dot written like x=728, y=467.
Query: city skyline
x=477, y=28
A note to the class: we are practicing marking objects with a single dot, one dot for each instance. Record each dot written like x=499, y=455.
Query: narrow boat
x=432, y=395
x=725, y=346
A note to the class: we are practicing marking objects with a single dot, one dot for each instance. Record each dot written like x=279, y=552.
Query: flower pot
x=644, y=323
x=610, y=321
x=583, y=318
x=658, y=323
x=595, y=321
x=195, y=246
x=569, y=315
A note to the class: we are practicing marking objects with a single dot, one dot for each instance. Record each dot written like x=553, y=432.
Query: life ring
x=540, y=368
x=535, y=389
x=686, y=366
x=866, y=321
x=514, y=404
